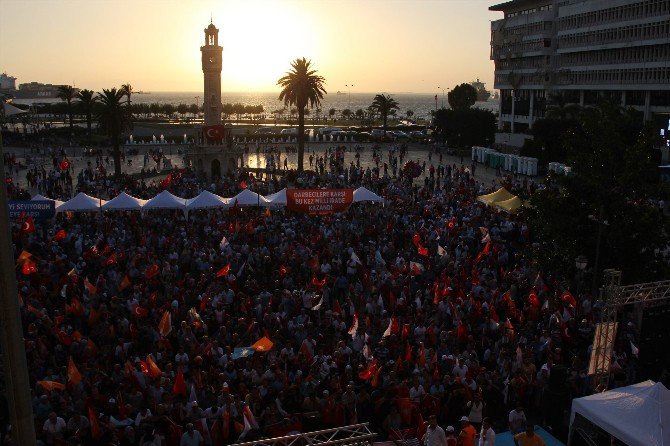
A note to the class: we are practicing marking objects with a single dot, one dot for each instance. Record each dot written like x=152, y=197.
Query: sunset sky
x=377, y=45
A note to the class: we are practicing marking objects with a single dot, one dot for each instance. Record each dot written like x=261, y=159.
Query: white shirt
x=490, y=437
x=435, y=437
x=54, y=428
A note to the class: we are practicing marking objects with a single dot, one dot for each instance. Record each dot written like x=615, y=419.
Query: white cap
x=464, y=418
x=450, y=428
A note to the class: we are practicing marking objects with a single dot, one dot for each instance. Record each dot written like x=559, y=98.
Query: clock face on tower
x=212, y=59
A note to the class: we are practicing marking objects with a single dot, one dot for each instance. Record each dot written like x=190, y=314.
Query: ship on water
x=483, y=95
x=30, y=90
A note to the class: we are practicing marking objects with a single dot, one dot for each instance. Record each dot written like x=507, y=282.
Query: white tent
x=124, y=202
x=39, y=197
x=206, y=200
x=10, y=109
x=363, y=194
x=277, y=199
x=638, y=415
x=81, y=203
x=248, y=198
x=165, y=200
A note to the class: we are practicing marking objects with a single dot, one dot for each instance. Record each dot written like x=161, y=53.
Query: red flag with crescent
x=214, y=133
x=27, y=226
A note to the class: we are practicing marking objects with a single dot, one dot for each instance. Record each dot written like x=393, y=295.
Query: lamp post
x=440, y=88
x=601, y=222
x=580, y=264
x=349, y=92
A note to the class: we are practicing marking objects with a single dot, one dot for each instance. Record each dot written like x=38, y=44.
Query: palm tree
x=385, y=105
x=331, y=113
x=302, y=87
x=67, y=94
x=127, y=90
x=113, y=117
x=87, y=101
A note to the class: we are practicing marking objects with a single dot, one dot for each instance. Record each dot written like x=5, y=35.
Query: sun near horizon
x=363, y=47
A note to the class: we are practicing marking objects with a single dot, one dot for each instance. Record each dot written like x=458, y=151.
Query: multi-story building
x=584, y=50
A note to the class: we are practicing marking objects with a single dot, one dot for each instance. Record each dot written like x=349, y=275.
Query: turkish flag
x=179, y=387
x=139, y=311
x=73, y=375
x=96, y=432
x=214, y=133
x=64, y=164
x=223, y=272
x=152, y=271
x=423, y=251
x=27, y=226
x=165, y=325
x=60, y=235
x=111, y=260
x=28, y=267
x=369, y=371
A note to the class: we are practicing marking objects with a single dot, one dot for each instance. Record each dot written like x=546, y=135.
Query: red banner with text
x=319, y=201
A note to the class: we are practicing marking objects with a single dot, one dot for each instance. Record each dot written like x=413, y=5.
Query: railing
x=354, y=435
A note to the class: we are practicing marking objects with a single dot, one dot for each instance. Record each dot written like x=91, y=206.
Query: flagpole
x=15, y=365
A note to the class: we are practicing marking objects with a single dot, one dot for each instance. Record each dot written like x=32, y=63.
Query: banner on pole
x=319, y=201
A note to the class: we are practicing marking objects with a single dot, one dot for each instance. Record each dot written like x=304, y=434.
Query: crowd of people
x=243, y=323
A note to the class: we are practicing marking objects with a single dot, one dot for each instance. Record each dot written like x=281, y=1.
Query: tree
x=194, y=109
x=331, y=113
x=346, y=113
x=384, y=105
x=182, y=109
x=168, y=110
x=301, y=87
x=113, y=117
x=87, y=101
x=559, y=108
x=127, y=90
x=360, y=114
x=67, y=93
x=409, y=114
x=465, y=127
x=610, y=191
x=462, y=96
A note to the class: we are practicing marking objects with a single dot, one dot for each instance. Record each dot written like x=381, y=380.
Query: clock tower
x=211, y=68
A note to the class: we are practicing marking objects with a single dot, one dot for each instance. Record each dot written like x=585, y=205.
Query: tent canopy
x=277, y=199
x=206, y=200
x=124, y=202
x=501, y=194
x=363, y=194
x=511, y=206
x=81, y=203
x=39, y=197
x=248, y=198
x=638, y=415
x=165, y=200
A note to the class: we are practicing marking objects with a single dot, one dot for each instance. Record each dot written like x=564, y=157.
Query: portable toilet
x=474, y=154
x=532, y=166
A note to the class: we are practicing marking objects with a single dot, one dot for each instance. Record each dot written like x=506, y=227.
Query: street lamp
x=580, y=263
x=601, y=222
x=442, y=95
x=349, y=92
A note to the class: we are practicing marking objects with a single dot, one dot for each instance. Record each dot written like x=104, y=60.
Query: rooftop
x=513, y=4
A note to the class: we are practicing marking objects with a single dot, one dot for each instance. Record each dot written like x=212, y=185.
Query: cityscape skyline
x=423, y=47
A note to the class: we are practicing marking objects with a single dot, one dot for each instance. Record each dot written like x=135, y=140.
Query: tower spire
x=211, y=19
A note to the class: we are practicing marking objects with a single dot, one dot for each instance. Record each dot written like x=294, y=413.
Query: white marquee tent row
x=165, y=200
